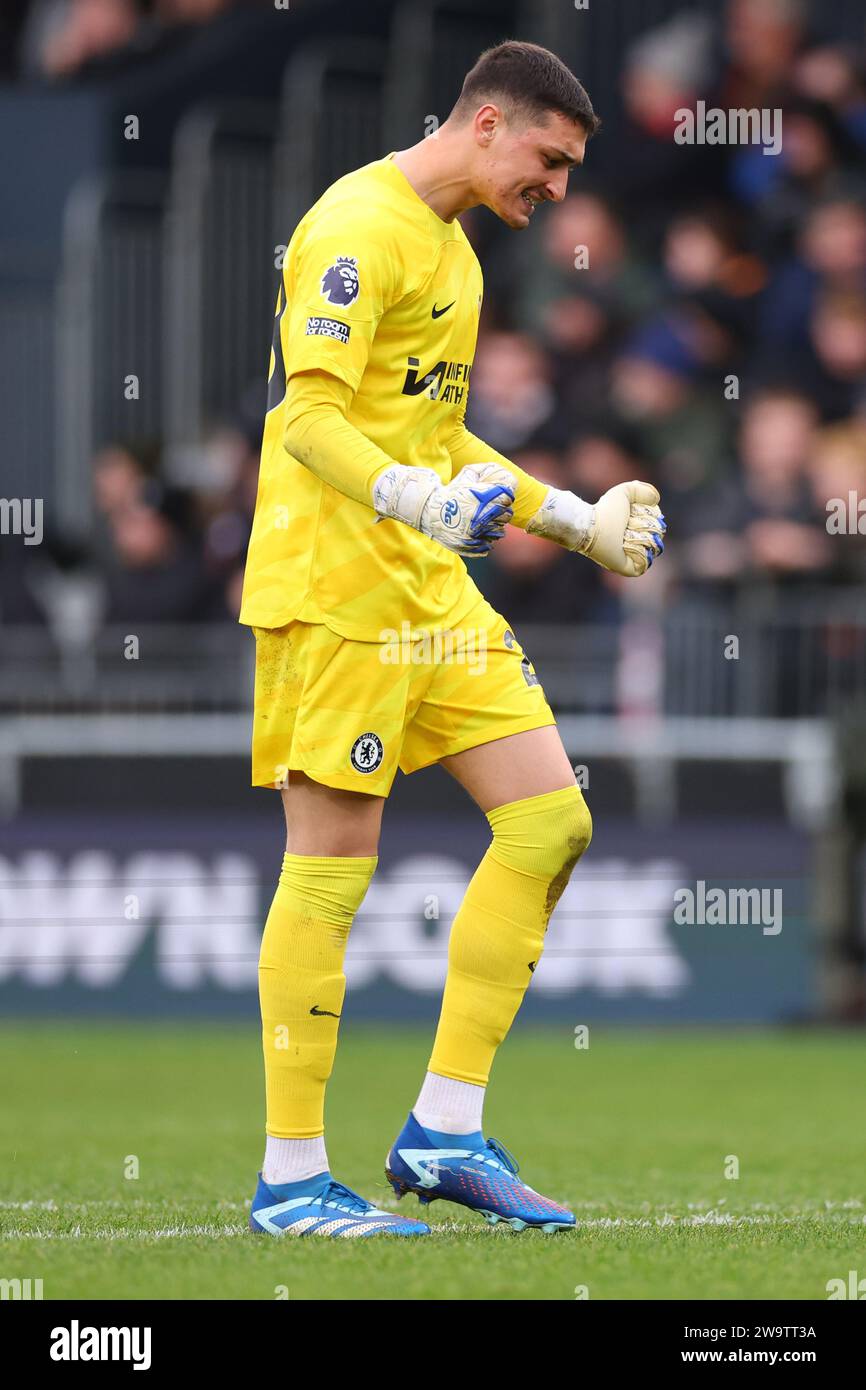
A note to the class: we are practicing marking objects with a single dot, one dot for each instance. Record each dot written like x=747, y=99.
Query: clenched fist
x=623, y=532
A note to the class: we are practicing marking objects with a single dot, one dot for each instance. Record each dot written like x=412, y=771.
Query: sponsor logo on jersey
x=446, y=381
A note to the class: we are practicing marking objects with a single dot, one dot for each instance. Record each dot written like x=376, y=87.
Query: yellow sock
x=302, y=985
x=497, y=935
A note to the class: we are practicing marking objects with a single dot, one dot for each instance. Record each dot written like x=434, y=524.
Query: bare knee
x=322, y=820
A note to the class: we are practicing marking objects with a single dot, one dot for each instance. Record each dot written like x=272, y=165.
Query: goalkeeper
x=371, y=491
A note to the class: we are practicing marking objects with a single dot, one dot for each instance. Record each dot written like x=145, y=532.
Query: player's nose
x=555, y=187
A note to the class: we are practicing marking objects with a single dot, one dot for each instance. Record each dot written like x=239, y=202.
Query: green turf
x=632, y=1133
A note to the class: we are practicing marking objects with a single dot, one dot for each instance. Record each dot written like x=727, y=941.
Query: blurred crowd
x=62, y=40
x=693, y=315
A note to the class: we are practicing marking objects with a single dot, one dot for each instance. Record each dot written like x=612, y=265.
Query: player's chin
x=514, y=214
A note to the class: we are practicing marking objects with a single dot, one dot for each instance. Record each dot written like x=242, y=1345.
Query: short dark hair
x=529, y=81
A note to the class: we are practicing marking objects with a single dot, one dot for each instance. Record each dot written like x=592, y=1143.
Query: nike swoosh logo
x=437, y=313
x=322, y=1013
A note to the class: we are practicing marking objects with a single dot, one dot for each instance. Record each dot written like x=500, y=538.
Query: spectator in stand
x=579, y=288
x=837, y=474
x=831, y=368
x=63, y=36
x=119, y=474
x=63, y=39
x=784, y=534
x=714, y=284
x=764, y=523
x=819, y=161
x=227, y=509
x=584, y=238
x=581, y=337
x=833, y=243
x=512, y=398
x=156, y=573
x=837, y=374
x=761, y=40
x=666, y=69
x=831, y=250
x=836, y=74
x=684, y=426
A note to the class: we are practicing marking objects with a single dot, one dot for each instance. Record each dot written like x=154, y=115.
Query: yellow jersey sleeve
x=337, y=288
x=465, y=447
x=318, y=434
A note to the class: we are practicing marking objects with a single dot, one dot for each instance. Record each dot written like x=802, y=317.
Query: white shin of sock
x=454, y=1107
x=290, y=1160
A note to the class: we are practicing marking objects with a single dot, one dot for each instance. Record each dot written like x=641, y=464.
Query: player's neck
x=433, y=168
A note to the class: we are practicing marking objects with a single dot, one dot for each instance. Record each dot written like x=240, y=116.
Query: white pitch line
x=605, y=1222
x=161, y=1233
x=822, y=1205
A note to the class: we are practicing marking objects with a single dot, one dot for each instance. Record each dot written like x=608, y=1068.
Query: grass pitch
x=634, y=1133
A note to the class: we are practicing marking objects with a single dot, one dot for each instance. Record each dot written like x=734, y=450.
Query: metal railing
x=163, y=669
x=433, y=44
x=219, y=273
x=799, y=659
x=27, y=381
x=109, y=328
x=330, y=122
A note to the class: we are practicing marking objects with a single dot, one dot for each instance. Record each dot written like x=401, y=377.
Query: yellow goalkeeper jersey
x=379, y=291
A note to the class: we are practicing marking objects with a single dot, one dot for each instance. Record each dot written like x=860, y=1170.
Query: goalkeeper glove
x=623, y=532
x=466, y=515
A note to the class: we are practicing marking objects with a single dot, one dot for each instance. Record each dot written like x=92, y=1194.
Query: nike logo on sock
x=322, y=1013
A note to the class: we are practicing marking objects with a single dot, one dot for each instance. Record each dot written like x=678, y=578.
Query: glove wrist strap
x=402, y=493
x=565, y=518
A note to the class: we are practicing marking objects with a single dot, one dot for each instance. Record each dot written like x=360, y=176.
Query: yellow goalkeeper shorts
x=349, y=713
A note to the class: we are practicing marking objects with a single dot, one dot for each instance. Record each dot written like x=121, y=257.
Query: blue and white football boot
x=477, y=1173
x=320, y=1206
